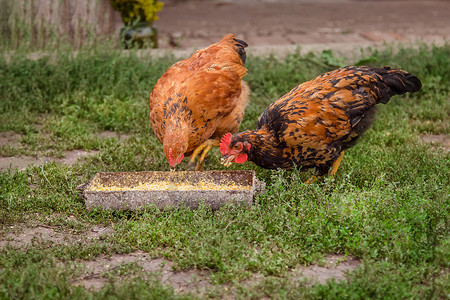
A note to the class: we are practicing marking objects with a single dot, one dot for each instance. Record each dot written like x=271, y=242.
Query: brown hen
x=199, y=99
x=312, y=125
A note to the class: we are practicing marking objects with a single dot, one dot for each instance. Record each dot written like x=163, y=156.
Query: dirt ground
x=286, y=23
x=333, y=266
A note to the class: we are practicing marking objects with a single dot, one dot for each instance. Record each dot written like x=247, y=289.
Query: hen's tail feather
x=397, y=82
x=240, y=44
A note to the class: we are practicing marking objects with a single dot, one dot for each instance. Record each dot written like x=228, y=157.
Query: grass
x=387, y=206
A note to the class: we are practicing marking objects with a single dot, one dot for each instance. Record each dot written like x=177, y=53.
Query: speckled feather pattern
x=200, y=97
x=315, y=121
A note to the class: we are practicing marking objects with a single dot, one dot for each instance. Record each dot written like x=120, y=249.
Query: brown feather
x=195, y=96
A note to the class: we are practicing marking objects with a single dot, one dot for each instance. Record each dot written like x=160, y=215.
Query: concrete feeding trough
x=134, y=190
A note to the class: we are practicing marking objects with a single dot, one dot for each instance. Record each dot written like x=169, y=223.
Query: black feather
x=244, y=44
x=240, y=44
x=397, y=82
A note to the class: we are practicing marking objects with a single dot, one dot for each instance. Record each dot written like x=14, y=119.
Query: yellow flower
x=132, y=10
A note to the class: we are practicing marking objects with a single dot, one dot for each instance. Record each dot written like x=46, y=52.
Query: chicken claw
x=311, y=179
x=331, y=173
x=204, y=148
x=335, y=165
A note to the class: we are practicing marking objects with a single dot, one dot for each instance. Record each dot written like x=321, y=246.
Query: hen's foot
x=312, y=179
x=204, y=148
x=335, y=165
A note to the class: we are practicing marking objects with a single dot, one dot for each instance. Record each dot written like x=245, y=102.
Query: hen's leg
x=311, y=179
x=335, y=165
x=331, y=173
x=204, y=148
x=214, y=143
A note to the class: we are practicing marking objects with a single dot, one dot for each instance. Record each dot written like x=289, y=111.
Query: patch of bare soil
x=335, y=266
x=198, y=23
x=197, y=281
x=113, y=134
x=182, y=281
x=20, y=236
x=9, y=138
x=18, y=162
x=22, y=162
x=70, y=157
x=437, y=141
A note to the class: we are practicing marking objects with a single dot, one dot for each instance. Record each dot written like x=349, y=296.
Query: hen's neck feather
x=177, y=136
x=259, y=139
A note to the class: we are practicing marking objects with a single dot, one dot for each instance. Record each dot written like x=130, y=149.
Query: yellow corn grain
x=170, y=186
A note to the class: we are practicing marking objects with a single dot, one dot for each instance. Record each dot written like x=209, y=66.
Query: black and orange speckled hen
x=312, y=125
x=199, y=99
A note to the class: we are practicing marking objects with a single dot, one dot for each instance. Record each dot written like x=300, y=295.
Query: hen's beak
x=227, y=160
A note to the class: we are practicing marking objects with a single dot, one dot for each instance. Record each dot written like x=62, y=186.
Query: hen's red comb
x=170, y=157
x=226, y=140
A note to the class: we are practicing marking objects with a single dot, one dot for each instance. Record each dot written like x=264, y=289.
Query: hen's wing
x=329, y=108
x=232, y=121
